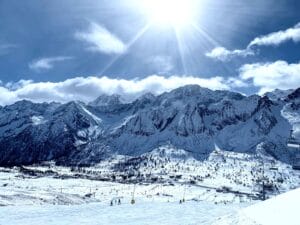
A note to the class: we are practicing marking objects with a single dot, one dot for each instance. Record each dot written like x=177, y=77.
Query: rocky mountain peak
x=107, y=100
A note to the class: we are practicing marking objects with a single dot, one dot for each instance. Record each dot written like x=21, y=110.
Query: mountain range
x=192, y=118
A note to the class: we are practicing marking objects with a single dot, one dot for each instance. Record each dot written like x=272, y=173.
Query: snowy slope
x=282, y=209
x=126, y=214
x=278, y=94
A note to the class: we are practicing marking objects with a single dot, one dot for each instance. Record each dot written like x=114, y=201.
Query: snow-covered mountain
x=192, y=118
x=278, y=94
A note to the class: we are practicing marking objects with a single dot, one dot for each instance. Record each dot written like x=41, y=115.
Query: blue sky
x=50, y=48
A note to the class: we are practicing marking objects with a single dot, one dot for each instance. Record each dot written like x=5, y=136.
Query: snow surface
x=96, y=118
x=38, y=120
x=101, y=214
x=280, y=210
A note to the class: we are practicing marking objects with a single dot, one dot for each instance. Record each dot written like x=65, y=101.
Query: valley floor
x=30, y=200
x=222, y=185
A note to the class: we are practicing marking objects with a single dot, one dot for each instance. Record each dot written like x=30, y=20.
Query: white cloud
x=47, y=63
x=223, y=54
x=99, y=39
x=277, y=38
x=17, y=85
x=7, y=96
x=269, y=76
x=88, y=88
x=272, y=39
x=236, y=82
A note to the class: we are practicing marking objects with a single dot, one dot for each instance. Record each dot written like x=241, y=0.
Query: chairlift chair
x=293, y=142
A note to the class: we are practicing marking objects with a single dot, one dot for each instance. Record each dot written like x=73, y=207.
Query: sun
x=177, y=13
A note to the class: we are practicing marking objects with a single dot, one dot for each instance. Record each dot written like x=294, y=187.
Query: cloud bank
x=265, y=76
x=270, y=76
x=47, y=63
x=99, y=39
x=88, y=88
x=272, y=39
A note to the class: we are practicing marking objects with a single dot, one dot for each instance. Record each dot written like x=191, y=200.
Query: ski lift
x=133, y=193
x=293, y=142
x=296, y=167
x=184, y=192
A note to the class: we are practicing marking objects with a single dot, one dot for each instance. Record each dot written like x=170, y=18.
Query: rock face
x=191, y=118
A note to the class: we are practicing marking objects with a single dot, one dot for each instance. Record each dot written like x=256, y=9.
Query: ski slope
x=150, y=213
x=280, y=210
x=34, y=200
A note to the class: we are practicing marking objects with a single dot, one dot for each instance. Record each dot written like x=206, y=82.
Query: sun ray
x=180, y=49
x=211, y=40
x=130, y=43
